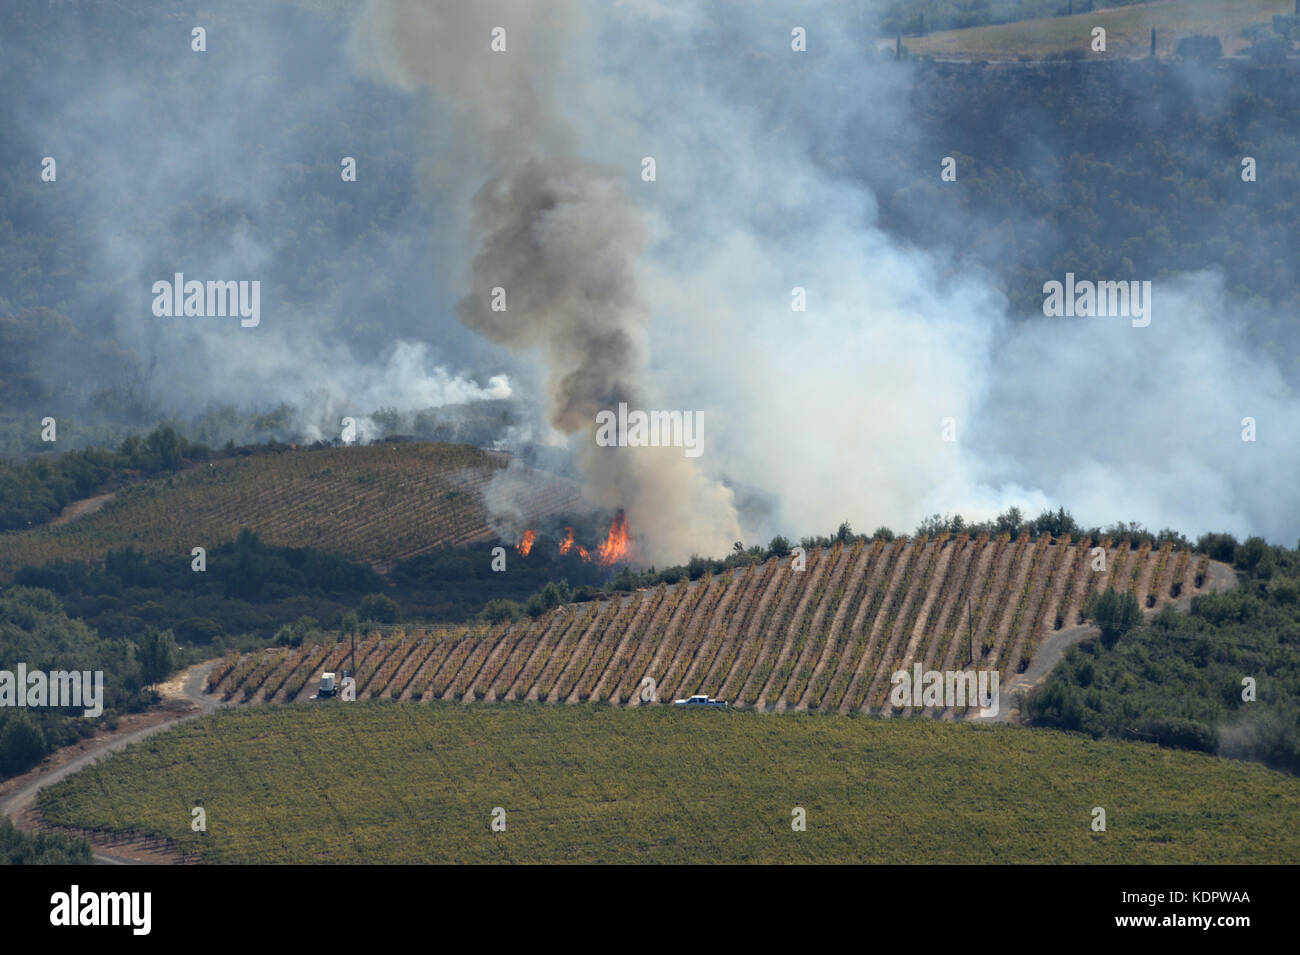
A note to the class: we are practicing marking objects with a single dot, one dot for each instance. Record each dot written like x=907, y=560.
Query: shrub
x=379, y=607
x=1219, y=546
x=1114, y=613
x=495, y=611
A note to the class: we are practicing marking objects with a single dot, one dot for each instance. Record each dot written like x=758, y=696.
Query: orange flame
x=567, y=545
x=618, y=545
x=526, y=544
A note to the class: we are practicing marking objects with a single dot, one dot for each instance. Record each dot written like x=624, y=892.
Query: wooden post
x=970, y=625
x=1153, y=41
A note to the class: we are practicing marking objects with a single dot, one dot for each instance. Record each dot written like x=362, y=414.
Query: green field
x=394, y=782
x=1128, y=30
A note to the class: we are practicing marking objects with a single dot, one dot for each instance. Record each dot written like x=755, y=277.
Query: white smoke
x=836, y=411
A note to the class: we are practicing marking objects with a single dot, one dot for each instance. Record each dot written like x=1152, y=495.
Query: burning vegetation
x=616, y=547
x=618, y=543
x=526, y=544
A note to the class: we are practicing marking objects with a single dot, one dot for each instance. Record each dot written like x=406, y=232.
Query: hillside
x=1128, y=30
x=389, y=783
x=765, y=636
x=376, y=503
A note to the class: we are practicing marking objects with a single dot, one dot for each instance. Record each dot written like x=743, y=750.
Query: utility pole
x=970, y=626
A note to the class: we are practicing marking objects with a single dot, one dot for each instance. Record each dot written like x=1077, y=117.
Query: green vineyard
x=375, y=503
x=398, y=783
x=767, y=636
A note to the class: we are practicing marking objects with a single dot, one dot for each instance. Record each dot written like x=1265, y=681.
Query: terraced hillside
x=377, y=503
x=824, y=638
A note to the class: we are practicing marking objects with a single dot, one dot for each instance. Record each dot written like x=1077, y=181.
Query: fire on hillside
x=616, y=547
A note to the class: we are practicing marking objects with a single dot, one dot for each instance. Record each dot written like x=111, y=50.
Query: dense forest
x=1124, y=169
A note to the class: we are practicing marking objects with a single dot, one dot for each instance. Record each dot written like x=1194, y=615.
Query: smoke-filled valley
x=921, y=376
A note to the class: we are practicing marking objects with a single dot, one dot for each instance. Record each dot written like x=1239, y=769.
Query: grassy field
x=377, y=502
x=766, y=636
x=1128, y=30
x=393, y=782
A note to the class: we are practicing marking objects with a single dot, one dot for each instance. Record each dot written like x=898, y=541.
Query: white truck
x=699, y=699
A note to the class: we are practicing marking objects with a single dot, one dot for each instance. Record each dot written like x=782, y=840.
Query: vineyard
x=376, y=503
x=393, y=783
x=825, y=638
x=1127, y=30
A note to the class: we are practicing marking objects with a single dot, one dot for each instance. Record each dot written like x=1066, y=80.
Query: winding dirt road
x=183, y=699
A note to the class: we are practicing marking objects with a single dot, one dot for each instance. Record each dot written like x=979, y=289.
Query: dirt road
x=1219, y=578
x=183, y=699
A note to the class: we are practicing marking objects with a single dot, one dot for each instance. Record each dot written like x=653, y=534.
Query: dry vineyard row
x=826, y=638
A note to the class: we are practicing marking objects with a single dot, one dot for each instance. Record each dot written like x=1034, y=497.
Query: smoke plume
x=559, y=245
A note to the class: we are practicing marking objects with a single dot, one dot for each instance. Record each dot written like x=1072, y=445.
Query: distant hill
x=377, y=503
x=1128, y=30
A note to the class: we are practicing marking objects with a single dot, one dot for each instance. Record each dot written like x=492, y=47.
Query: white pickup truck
x=699, y=699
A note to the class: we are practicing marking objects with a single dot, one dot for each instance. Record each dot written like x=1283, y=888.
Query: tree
x=156, y=654
x=494, y=611
x=380, y=608
x=779, y=546
x=1219, y=546
x=349, y=624
x=1009, y=522
x=1114, y=613
x=22, y=743
x=1250, y=553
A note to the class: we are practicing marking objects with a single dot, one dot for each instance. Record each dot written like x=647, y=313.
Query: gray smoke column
x=560, y=237
x=558, y=234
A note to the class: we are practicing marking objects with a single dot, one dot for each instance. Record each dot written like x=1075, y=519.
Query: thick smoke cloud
x=225, y=165
x=837, y=410
x=522, y=170
x=557, y=235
